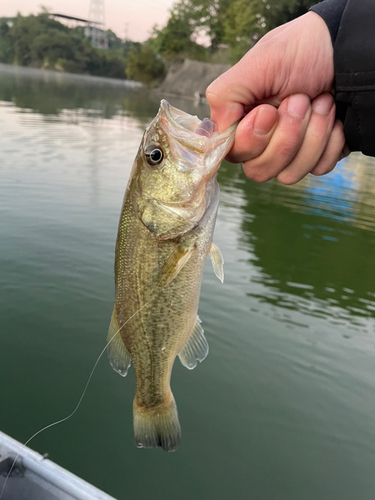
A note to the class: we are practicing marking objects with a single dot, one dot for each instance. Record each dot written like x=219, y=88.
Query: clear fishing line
x=79, y=401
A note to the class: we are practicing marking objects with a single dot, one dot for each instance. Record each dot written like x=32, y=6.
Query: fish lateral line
x=60, y=421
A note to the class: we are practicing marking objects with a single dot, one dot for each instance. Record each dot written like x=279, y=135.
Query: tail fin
x=157, y=426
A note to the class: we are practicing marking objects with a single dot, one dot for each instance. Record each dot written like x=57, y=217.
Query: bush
x=144, y=65
x=39, y=41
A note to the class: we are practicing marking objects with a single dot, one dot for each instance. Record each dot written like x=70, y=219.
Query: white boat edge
x=49, y=471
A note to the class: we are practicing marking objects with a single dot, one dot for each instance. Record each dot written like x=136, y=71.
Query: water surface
x=283, y=408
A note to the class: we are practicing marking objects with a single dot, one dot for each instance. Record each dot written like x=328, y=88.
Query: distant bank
x=188, y=79
x=191, y=78
x=48, y=74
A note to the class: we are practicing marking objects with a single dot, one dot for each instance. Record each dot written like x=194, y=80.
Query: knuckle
x=286, y=150
x=317, y=134
x=212, y=96
x=256, y=174
x=288, y=142
x=320, y=128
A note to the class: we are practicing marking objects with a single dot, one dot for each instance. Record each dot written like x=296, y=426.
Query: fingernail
x=264, y=121
x=322, y=104
x=298, y=105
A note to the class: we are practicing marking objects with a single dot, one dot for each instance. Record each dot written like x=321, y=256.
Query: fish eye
x=154, y=155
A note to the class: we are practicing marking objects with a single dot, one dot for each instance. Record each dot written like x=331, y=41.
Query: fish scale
x=164, y=237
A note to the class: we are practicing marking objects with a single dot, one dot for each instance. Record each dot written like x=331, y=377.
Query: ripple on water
x=289, y=382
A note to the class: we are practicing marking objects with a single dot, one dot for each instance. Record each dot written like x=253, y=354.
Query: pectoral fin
x=217, y=261
x=174, y=264
x=196, y=348
x=118, y=354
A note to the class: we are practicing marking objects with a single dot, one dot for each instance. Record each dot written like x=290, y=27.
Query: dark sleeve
x=352, y=27
x=331, y=11
x=354, y=58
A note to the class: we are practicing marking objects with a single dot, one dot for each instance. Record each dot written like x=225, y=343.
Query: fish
x=164, y=237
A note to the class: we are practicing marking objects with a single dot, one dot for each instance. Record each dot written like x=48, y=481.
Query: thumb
x=233, y=93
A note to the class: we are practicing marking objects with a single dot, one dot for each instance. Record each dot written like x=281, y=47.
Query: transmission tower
x=96, y=27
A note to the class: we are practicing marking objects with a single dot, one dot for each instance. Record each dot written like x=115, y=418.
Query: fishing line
x=79, y=401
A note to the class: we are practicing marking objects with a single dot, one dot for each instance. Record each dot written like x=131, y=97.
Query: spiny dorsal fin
x=174, y=264
x=118, y=354
x=217, y=261
x=196, y=348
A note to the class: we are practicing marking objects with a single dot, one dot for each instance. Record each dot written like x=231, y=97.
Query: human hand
x=291, y=68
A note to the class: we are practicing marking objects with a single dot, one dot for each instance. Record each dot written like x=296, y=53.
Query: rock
x=191, y=78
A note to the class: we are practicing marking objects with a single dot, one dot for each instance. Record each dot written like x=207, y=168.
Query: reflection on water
x=283, y=408
x=312, y=243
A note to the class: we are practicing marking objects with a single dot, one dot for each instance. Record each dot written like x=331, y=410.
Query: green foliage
x=24, y=32
x=188, y=22
x=43, y=42
x=175, y=39
x=228, y=27
x=5, y=47
x=277, y=12
x=127, y=45
x=114, y=42
x=51, y=46
x=144, y=65
x=239, y=25
x=236, y=24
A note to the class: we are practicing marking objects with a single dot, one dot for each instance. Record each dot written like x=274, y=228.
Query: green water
x=283, y=408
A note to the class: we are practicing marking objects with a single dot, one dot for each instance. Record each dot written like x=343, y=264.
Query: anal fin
x=118, y=354
x=196, y=348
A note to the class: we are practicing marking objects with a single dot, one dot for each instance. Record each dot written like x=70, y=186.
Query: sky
x=136, y=17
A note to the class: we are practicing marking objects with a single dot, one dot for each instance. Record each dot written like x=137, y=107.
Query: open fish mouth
x=183, y=120
x=206, y=128
x=197, y=135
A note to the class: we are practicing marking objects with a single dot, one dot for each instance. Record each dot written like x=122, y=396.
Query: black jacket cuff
x=331, y=11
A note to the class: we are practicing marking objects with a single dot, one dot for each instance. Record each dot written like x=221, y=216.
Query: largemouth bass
x=164, y=237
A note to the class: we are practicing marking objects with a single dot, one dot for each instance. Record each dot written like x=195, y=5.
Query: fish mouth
x=200, y=135
x=178, y=118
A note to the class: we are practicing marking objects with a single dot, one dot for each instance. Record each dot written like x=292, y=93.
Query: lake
x=283, y=408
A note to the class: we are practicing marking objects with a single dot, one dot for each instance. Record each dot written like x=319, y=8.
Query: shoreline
x=62, y=75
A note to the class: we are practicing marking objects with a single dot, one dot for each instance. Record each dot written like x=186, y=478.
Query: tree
x=277, y=12
x=234, y=23
x=241, y=21
x=6, y=49
x=41, y=41
x=144, y=65
x=114, y=42
x=51, y=46
x=199, y=17
x=175, y=39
